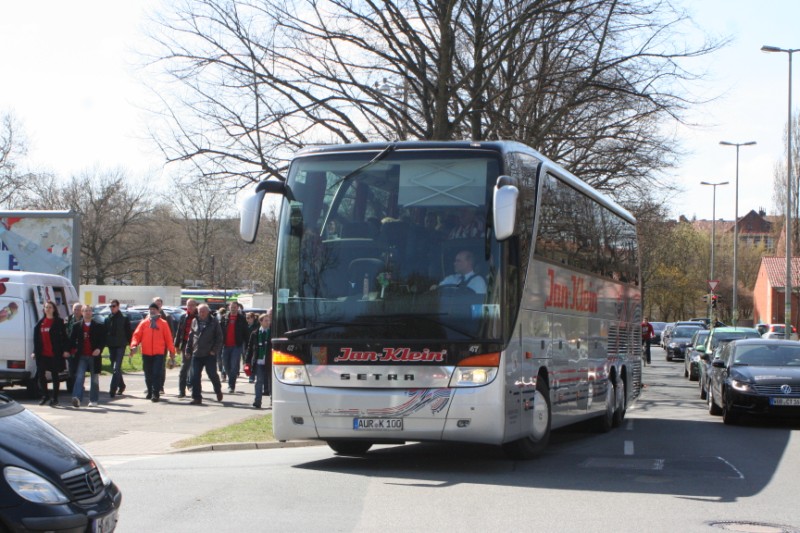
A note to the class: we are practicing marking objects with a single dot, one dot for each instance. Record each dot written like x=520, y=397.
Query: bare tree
x=588, y=82
x=779, y=184
x=117, y=237
x=12, y=149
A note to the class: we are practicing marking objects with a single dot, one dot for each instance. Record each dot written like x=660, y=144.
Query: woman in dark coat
x=51, y=350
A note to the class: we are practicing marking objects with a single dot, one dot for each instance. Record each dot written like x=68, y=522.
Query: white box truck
x=22, y=299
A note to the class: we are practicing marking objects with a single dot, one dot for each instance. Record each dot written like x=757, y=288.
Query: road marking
x=629, y=425
x=741, y=476
x=628, y=447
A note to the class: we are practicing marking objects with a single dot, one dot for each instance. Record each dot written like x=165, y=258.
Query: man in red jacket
x=154, y=336
x=647, y=334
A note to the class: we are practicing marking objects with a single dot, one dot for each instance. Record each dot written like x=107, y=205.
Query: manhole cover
x=753, y=527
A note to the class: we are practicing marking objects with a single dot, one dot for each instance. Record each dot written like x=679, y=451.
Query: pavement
x=131, y=425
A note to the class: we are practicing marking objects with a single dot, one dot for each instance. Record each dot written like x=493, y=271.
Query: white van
x=22, y=299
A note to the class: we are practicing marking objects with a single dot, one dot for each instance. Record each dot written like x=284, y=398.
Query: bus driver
x=465, y=277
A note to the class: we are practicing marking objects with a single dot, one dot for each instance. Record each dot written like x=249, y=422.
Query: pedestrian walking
x=172, y=327
x=252, y=325
x=259, y=358
x=87, y=342
x=234, y=329
x=72, y=362
x=205, y=343
x=183, y=332
x=50, y=350
x=118, y=337
x=154, y=336
x=648, y=333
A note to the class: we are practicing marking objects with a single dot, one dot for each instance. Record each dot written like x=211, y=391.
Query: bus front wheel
x=349, y=447
x=535, y=442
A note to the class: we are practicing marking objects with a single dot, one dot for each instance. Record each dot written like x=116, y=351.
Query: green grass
x=254, y=429
x=129, y=364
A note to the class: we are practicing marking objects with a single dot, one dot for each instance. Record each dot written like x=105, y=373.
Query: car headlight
x=104, y=477
x=741, y=385
x=673, y=345
x=33, y=487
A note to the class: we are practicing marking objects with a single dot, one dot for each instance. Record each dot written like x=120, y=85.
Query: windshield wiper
x=320, y=326
x=431, y=317
x=382, y=154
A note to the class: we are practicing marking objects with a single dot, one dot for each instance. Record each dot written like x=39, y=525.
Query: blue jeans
x=86, y=364
x=260, y=371
x=231, y=356
x=116, y=354
x=209, y=363
x=153, y=367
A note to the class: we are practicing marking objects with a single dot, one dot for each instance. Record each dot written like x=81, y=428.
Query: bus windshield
x=392, y=244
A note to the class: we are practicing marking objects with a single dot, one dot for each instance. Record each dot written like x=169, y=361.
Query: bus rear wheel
x=349, y=447
x=533, y=445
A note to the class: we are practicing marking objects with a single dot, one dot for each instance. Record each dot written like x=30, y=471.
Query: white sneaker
x=92, y=404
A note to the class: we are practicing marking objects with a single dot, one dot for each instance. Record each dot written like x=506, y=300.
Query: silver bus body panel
x=429, y=414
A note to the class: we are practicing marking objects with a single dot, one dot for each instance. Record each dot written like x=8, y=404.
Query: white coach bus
x=447, y=291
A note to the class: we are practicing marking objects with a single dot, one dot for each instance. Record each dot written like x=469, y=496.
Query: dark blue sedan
x=756, y=377
x=48, y=482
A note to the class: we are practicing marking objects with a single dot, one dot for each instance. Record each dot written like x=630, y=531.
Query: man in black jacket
x=234, y=331
x=181, y=343
x=205, y=342
x=118, y=337
x=87, y=341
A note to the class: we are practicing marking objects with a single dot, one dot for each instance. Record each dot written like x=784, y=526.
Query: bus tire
x=605, y=422
x=622, y=402
x=533, y=445
x=349, y=447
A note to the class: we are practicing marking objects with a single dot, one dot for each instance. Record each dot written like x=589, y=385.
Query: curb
x=235, y=446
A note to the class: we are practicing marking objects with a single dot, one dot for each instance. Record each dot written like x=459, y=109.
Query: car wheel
x=729, y=415
x=349, y=447
x=713, y=408
x=533, y=445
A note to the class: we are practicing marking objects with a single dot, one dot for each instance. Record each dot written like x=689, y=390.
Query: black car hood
x=767, y=375
x=29, y=442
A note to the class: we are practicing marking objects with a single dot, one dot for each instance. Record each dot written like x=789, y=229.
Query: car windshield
x=684, y=331
x=767, y=355
x=732, y=335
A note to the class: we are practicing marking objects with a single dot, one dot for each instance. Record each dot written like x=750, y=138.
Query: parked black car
x=658, y=329
x=694, y=352
x=756, y=377
x=719, y=336
x=679, y=338
x=48, y=482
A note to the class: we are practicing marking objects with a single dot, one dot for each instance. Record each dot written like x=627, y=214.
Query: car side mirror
x=700, y=348
x=718, y=363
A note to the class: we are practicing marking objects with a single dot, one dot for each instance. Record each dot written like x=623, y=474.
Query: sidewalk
x=131, y=425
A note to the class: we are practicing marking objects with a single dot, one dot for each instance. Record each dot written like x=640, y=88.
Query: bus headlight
x=472, y=376
x=292, y=375
x=289, y=369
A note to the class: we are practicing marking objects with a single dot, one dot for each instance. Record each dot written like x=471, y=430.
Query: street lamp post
x=735, y=300
x=787, y=309
x=713, y=232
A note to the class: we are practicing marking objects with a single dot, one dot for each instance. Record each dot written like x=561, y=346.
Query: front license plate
x=105, y=524
x=378, y=424
x=784, y=401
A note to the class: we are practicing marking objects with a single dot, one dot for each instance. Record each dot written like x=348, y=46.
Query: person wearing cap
x=154, y=336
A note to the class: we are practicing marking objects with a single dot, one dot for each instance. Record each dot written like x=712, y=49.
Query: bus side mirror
x=505, y=207
x=250, y=210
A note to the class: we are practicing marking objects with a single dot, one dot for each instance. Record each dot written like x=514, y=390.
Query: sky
x=69, y=76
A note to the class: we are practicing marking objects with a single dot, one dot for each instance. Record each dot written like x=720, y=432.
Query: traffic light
x=705, y=298
x=714, y=301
